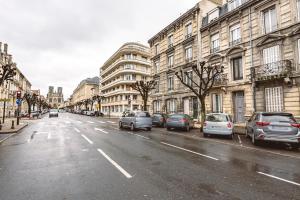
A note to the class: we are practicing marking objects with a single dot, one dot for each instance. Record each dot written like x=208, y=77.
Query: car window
x=216, y=118
x=278, y=118
x=142, y=114
x=176, y=116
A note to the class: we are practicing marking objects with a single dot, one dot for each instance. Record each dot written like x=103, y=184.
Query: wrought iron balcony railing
x=215, y=49
x=221, y=80
x=235, y=42
x=272, y=70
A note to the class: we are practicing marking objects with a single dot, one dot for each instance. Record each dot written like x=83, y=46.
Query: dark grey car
x=272, y=126
x=180, y=121
x=159, y=119
x=136, y=120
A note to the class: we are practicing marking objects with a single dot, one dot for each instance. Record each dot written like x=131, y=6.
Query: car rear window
x=217, y=118
x=176, y=116
x=142, y=114
x=278, y=118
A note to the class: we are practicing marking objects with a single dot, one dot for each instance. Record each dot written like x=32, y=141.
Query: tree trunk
x=203, y=113
x=29, y=109
x=145, y=104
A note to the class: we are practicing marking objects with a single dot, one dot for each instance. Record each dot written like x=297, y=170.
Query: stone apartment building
x=258, y=43
x=85, y=90
x=177, y=47
x=55, y=98
x=9, y=90
x=130, y=63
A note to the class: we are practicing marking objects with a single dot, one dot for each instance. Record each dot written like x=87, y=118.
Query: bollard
x=13, y=124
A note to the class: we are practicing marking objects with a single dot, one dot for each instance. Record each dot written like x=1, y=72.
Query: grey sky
x=61, y=42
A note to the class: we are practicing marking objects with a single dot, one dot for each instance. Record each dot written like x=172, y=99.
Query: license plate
x=217, y=127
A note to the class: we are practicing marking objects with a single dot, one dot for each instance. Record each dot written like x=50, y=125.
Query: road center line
x=49, y=136
x=142, y=136
x=76, y=129
x=111, y=122
x=87, y=139
x=101, y=130
x=190, y=151
x=101, y=122
x=90, y=122
x=126, y=174
x=281, y=179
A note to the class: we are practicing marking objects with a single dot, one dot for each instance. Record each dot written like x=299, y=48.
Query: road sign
x=19, y=102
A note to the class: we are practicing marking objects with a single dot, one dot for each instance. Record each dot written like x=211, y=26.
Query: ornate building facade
x=55, y=98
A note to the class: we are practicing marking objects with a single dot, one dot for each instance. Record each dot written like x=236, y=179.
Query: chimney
x=5, y=49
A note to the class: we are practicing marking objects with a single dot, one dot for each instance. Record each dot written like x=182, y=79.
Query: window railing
x=235, y=42
x=170, y=45
x=220, y=80
x=275, y=69
x=188, y=35
x=215, y=49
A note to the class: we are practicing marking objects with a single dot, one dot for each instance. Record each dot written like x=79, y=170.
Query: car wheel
x=148, y=129
x=132, y=128
x=205, y=135
x=295, y=146
x=120, y=125
x=231, y=136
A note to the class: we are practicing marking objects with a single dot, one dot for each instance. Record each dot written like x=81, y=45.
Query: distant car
x=159, y=119
x=99, y=114
x=136, y=120
x=53, y=113
x=35, y=114
x=218, y=124
x=90, y=113
x=180, y=121
x=273, y=126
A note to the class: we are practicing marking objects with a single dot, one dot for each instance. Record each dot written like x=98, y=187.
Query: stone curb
x=12, y=133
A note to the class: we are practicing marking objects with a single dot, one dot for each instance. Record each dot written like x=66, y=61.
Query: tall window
x=170, y=40
x=170, y=61
x=188, y=54
x=171, y=106
x=216, y=103
x=156, y=49
x=234, y=4
x=189, y=30
x=215, y=43
x=274, y=100
x=156, y=106
x=156, y=86
x=235, y=35
x=170, y=83
x=271, y=56
x=156, y=66
x=237, y=68
x=270, y=20
x=128, y=66
x=188, y=77
x=298, y=9
x=128, y=56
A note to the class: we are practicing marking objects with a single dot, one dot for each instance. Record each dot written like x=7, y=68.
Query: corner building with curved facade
x=130, y=63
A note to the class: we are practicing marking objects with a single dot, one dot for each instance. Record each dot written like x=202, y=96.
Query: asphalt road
x=84, y=158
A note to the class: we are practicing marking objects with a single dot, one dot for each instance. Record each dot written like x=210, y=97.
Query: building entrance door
x=239, y=106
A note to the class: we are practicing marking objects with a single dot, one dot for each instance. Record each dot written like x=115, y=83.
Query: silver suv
x=136, y=120
x=272, y=126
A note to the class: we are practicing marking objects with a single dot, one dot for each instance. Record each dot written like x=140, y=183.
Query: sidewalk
x=6, y=131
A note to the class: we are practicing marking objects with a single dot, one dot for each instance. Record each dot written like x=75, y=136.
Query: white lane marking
x=237, y=145
x=281, y=179
x=87, y=139
x=101, y=130
x=142, y=136
x=101, y=122
x=38, y=133
x=189, y=151
x=123, y=171
x=49, y=136
x=67, y=122
x=90, y=122
x=77, y=130
x=240, y=141
x=111, y=122
x=29, y=140
x=79, y=122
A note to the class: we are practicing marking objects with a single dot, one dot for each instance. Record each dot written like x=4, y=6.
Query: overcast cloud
x=61, y=42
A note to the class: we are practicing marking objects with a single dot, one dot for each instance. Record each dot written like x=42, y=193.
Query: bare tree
x=7, y=72
x=31, y=100
x=203, y=84
x=144, y=88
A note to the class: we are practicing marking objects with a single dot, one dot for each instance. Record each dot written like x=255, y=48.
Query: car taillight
x=161, y=119
x=229, y=125
x=296, y=125
x=262, y=123
x=183, y=120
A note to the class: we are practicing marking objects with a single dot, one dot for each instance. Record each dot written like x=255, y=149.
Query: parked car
x=53, y=113
x=83, y=112
x=180, y=121
x=35, y=114
x=159, y=119
x=99, y=114
x=136, y=120
x=90, y=113
x=218, y=124
x=272, y=126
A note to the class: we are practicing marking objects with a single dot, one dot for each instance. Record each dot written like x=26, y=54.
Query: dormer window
x=189, y=30
x=170, y=41
x=214, y=14
x=234, y=4
x=270, y=20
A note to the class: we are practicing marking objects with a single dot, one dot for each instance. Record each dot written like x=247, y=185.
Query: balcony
x=214, y=49
x=221, y=80
x=270, y=71
x=235, y=42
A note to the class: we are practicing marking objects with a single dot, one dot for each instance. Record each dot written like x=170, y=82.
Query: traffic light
x=19, y=94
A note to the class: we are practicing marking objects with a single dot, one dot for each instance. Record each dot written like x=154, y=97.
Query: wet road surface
x=79, y=157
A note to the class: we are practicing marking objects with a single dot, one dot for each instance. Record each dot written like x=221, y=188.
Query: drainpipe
x=251, y=62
